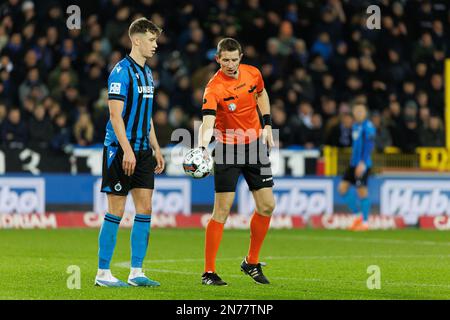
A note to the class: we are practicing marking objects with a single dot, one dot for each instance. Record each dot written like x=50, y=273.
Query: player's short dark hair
x=228, y=44
x=143, y=25
x=358, y=102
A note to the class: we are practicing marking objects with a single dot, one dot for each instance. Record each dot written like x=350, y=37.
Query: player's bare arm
x=263, y=102
x=160, y=163
x=115, y=111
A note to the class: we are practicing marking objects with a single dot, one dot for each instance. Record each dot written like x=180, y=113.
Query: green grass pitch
x=302, y=264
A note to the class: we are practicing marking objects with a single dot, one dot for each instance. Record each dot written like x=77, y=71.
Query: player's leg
x=140, y=234
x=107, y=241
x=116, y=185
x=344, y=191
x=363, y=195
x=142, y=185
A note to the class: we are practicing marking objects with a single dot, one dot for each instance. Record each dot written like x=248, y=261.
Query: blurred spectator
x=383, y=136
x=397, y=70
x=422, y=99
x=41, y=129
x=28, y=109
x=411, y=135
x=14, y=131
x=62, y=135
x=31, y=83
x=92, y=84
x=182, y=94
x=286, y=39
x=280, y=123
x=117, y=25
x=323, y=46
x=341, y=134
x=421, y=76
x=177, y=118
x=423, y=50
x=301, y=122
x=436, y=94
x=408, y=91
x=300, y=53
x=83, y=130
x=162, y=127
x=3, y=117
x=434, y=135
x=64, y=67
x=314, y=135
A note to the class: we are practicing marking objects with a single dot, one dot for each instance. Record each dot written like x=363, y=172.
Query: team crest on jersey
x=232, y=106
x=355, y=134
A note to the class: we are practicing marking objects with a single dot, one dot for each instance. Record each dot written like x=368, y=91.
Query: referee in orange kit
x=230, y=104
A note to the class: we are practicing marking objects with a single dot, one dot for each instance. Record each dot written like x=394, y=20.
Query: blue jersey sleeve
x=118, y=83
x=369, y=142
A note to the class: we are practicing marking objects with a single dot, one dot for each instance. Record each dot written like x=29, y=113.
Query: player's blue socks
x=139, y=239
x=350, y=200
x=365, y=208
x=107, y=240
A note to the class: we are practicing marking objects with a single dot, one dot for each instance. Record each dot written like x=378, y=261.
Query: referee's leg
x=260, y=221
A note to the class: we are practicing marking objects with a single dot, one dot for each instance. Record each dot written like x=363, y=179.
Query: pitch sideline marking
x=127, y=263
x=347, y=239
x=372, y=240
x=390, y=283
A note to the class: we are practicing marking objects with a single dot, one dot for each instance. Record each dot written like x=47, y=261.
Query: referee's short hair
x=228, y=44
x=143, y=25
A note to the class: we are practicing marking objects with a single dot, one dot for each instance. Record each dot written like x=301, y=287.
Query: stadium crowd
x=316, y=57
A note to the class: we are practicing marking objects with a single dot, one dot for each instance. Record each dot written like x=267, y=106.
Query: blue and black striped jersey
x=132, y=84
x=363, y=135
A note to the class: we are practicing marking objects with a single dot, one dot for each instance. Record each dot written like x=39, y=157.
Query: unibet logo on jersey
x=146, y=90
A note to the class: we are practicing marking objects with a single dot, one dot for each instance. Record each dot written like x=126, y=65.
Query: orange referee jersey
x=233, y=102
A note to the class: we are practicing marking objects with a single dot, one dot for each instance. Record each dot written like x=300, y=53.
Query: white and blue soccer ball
x=197, y=163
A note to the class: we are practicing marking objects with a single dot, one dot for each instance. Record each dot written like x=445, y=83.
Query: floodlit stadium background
x=315, y=56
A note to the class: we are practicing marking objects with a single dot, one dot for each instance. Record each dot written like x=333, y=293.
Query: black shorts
x=349, y=176
x=114, y=179
x=252, y=160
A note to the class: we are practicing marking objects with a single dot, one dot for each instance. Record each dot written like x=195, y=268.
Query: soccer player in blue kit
x=363, y=136
x=128, y=163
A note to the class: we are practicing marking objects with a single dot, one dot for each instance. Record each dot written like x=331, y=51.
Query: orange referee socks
x=214, y=231
x=258, y=229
